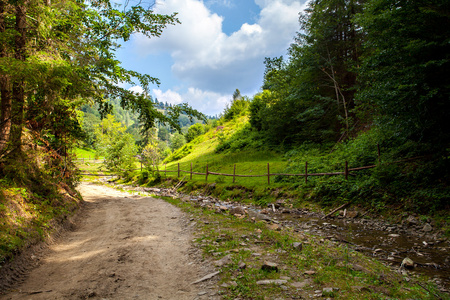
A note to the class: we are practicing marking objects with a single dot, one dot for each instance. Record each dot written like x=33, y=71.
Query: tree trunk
x=5, y=88
x=18, y=98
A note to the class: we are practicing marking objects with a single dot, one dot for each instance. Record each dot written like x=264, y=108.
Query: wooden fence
x=346, y=172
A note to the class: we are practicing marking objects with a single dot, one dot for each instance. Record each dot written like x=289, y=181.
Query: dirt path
x=124, y=247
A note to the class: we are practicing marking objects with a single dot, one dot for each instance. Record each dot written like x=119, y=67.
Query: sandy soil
x=123, y=247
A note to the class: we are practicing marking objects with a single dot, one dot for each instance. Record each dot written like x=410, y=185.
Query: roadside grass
x=29, y=213
x=319, y=264
x=86, y=153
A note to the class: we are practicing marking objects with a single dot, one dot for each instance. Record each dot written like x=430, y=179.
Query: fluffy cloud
x=209, y=103
x=208, y=59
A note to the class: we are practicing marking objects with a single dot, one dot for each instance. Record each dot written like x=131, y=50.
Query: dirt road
x=123, y=247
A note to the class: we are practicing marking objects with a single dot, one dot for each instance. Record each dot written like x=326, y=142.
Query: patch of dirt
x=122, y=247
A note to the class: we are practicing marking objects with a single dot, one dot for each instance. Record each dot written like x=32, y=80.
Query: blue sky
x=219, y=47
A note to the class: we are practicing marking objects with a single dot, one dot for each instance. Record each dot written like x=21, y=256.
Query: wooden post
x=178, y=169
x=346, y=170
x=165, y=170
x=206, y=172
x=191, y=171
x=306, y=172
x=379, y=152
x=234, y=173
x=268, y=174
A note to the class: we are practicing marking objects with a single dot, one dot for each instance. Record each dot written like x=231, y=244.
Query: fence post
x=191, y=171
x=268, y=174
x=234, y=173
x=178, y=169
x=206, y=172
x=306, y=172
x=346, y=170
x=165, y=170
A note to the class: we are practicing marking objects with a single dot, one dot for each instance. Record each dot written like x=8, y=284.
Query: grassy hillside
x=201, y=152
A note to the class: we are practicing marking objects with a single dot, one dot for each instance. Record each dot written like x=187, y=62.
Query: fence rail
x=346, y=171
x=268, y=175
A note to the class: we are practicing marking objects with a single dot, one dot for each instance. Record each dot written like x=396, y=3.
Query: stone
x=411, y=221
x=223, y=208
x=275, y=227
x=327, y=290
x=302, y=284
x=258, y=217
x=310, y=272
x=238, y=210
x=271, y=281
x=407, y=263
x=352, y=214
x=209, y=276
x=242, y=266
x=269, y=266
x=223, y=261
x=297, y=246
x=427, y=227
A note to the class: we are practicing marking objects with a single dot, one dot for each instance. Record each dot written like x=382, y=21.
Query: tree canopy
x=57, y=55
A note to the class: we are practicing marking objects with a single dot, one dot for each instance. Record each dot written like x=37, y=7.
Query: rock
x=242, y=266
x=310, y=272
x=280, y=203
x=269, y=266
x=407, y=263
x=427, y=228
x=271, y=281
x=352, y=214
x=209, y=276
x=238, y=210
x=302, y=284
x=411, y=221
x=297, y=246
x=394, y=235
x=327, y=290
x=257, y=216
x=223, y=261
x=275, y=227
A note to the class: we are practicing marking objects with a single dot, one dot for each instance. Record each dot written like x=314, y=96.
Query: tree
x=177, y=141
x=58, y=55
x=194, y=131
x=116, y=145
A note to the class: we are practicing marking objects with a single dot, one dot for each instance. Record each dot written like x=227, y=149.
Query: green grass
x=247, y=162
x=85, y=153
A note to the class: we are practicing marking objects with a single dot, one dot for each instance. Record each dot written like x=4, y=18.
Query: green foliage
x=243, y=138
x=194, y=131
x=180, y=153
x=237, y=108
x=117, y=146
x=405, y=74
x=177, y=141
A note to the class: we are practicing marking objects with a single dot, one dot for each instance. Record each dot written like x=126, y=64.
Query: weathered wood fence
x=346, y=172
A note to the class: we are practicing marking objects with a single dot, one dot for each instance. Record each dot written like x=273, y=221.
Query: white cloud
x=209, y=103
x=136, y=89
x=208, y=59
